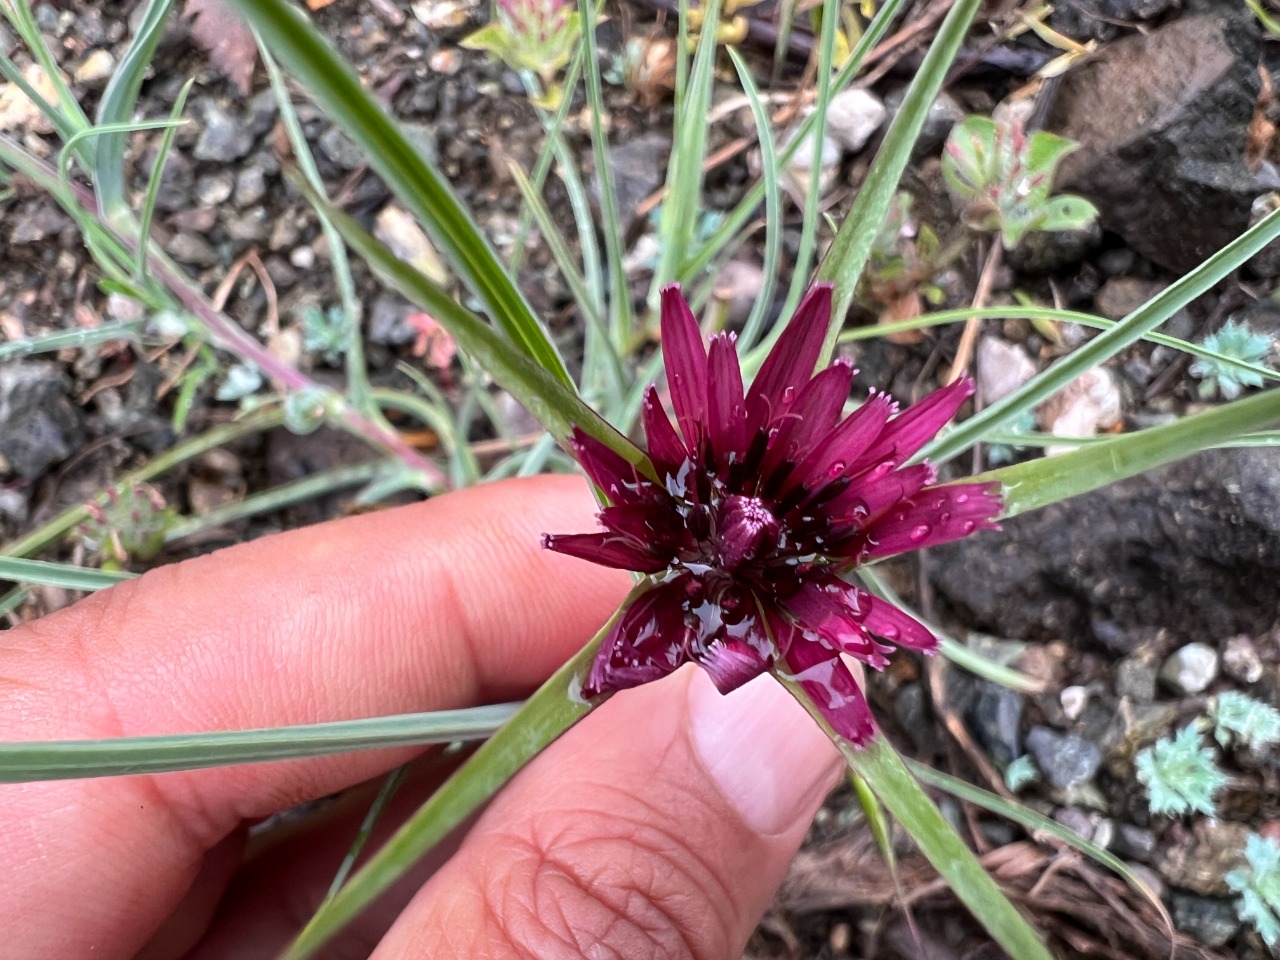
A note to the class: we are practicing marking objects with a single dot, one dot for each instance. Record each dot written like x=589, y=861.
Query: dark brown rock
x=1193, y=548
x=1162, y=120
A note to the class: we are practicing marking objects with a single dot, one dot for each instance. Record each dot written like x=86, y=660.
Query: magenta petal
x=885, y=620
x=920, y=422
x=608, y=550
x=816, y=410
x=936, y=515
x=607, y=470
x=732, y=663
x=792, y=360
x=726, y=415
x=666, y=450
x=652, y=525
x=686, y=362
x=895, y=486
x=830, y=612
x=842, y=448
x=831, y=686
x=650, y=639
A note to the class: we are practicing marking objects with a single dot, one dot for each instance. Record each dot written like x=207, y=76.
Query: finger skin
x=437, y=605
x=617, y=843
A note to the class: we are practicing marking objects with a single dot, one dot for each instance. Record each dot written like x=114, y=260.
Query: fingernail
x=765, y=753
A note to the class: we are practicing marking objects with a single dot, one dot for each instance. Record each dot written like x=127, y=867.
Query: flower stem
x=546, y=715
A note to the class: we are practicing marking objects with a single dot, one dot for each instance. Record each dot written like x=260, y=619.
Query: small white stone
x=1073, y=700
x=1190, y=669
x=852, y=117
x=304, y=257
x=1001, y=369
x=1088, y=404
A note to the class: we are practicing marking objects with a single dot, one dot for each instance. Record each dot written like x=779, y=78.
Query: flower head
x=763, y=497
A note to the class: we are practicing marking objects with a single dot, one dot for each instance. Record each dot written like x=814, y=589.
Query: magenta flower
x=764, y=499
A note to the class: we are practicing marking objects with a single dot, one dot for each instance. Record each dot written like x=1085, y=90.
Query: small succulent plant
x=326, y=332
x=130, y=525
x=1259, y=887
x=1237, y=341
x=1004, y=177
x=1180, y=774
x=1238, y=718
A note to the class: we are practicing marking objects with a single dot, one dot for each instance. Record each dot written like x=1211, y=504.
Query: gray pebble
x=335, y=145
x=1066, y=760
x=224, y=138
x=214, y=188
x=191, y=249
x=1211, y=920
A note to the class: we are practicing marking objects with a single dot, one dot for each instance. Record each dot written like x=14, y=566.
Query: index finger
x=432, y=606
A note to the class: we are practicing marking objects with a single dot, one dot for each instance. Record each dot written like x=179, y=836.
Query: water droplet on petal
x=918, y=534
x=837, y=467
x=968, y=527
x=788, y=394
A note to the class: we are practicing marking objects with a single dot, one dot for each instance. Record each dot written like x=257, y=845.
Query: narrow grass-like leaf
x=772, y=204
x=128, y=330
x=556, y=407
x=1125, y=333
x=66, y=116
x=358, y=387
x=58, y=574
x=603, y=344
x=884, y=771
x=1260, y=438
x=551, y=711
x=1046, y=480
x=75, y=759
x=309, y=56
x=12, y=600
x=157, y=174
x=851, y=247
x=742, y=213
x=376, y=809
x=812, y=222
x=682, y=203
x=554, y=126
x=942, y=317
x=102, y=131
x=115, y=110
x=1026, y=817
x=620, y=316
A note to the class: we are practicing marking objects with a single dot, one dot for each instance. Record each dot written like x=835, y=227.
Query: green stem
x=884, y=771
x=546, y=715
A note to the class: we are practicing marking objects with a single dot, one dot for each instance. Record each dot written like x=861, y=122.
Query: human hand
x=658, y=827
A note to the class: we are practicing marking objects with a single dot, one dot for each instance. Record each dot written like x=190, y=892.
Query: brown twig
x=964, y=352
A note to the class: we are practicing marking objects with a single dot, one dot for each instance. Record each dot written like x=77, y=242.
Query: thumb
x=659, y=827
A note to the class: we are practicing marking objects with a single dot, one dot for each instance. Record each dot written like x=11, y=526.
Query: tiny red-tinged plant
x=763, y=499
